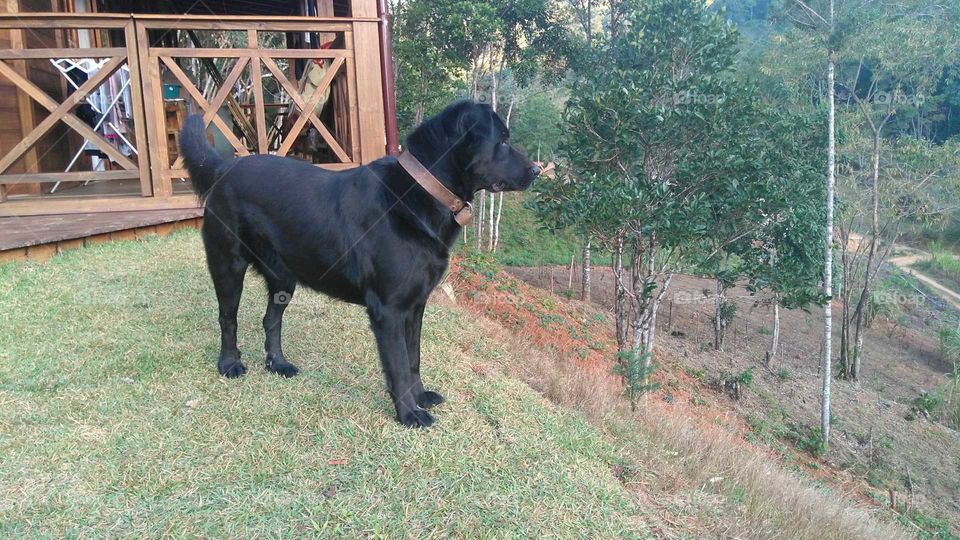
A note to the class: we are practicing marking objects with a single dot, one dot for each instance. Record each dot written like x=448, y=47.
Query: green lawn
x=114, y=422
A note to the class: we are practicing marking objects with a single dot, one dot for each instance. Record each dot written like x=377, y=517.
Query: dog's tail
x=201, y=159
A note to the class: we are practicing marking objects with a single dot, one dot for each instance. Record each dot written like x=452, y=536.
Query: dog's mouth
x=498, y=187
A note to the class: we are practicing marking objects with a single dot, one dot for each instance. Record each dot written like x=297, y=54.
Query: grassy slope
x=113, y=420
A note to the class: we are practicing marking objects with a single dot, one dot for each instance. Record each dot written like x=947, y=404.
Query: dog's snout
x=535, y=170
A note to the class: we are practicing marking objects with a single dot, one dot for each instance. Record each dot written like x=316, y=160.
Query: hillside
x=882, y=445
x=115, y=422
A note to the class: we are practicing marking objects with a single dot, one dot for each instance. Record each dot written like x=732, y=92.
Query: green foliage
x=536, y=126
x=437, y=42
x=928, y=403
x=809, y=441
x=629, y=111
x=931, y=528
x=480, y=262
x=635, y=370
x=949, y=337
x=734, y=383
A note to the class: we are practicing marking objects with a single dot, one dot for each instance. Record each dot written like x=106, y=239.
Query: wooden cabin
x=94, y=93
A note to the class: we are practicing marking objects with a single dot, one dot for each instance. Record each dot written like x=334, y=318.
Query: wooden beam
x=153, y=115
x=310, y=106
x=234, y=52
x=24, y=104
x=364, y=8
x=183, y=173
x=79, y=176
x=206, y=107
x=353, y=110
x=22, y=19
x=298, y=101
x=43, y=54
x=256, y=76
x=61, y=111
x=79, y=205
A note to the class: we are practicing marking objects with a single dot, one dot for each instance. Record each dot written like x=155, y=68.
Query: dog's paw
x=417, y=419
x=428, y=399
x=232, y=370
x=283, y=368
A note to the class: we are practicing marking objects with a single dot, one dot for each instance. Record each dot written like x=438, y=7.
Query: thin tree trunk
x=775, y=337
x=828, y=249
x=652, y=330
x=868, y=274
x=480, y=213
x=496, y=229
x=493, y=207
x=496, y=221
x=718, y=322
x=585, y=272
x=620, y=311
x=846, y=271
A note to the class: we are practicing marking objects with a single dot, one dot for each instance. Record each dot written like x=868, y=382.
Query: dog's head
x=475, y=142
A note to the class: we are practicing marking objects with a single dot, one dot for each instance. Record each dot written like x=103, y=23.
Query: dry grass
x=710, y=480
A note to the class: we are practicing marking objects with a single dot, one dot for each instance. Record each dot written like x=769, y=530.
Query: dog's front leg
x=425, y=398
x=388, y=327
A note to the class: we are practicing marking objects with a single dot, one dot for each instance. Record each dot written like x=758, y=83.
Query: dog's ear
x=470, y=116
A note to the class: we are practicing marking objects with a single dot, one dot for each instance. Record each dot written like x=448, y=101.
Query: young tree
x=634, y=126
x=784, y=258
x=818, y=19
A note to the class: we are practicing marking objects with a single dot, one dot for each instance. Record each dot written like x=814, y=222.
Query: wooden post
x=256, y=74
x=354, y=109
x=366, y=50
x=139, y=125
x=154, y=115
x=24, y=105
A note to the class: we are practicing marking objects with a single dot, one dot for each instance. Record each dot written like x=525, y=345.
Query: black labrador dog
x=370, y=236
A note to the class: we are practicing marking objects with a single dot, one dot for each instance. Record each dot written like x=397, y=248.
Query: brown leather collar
x=462, y=210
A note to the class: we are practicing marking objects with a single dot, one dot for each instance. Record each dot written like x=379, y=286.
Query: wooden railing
x=352, y=69
x=13, y=68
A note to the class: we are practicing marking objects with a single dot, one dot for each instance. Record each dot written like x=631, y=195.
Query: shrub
x=632, y=368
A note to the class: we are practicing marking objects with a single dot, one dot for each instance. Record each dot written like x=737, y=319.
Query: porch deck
x=40, y=237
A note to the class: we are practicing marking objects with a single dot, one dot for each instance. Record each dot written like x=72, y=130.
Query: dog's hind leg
x=280, y=286
x=227, y=273
x=414, y=323
x=227, y=261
